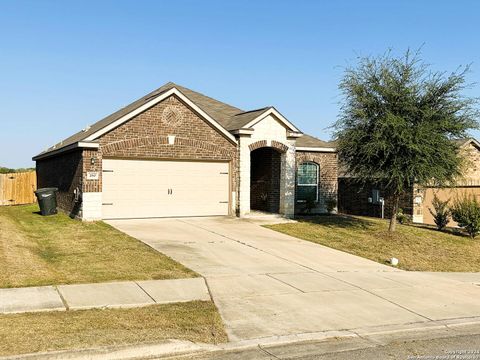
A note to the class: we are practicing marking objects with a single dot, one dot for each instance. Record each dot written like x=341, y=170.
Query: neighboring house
x=176, y=152
x=358, y=199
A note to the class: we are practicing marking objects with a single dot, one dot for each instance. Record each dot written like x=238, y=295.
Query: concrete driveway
x=267, y=284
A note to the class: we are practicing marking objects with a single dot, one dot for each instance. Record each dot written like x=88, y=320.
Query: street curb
x=127, y=352
x=171, y=348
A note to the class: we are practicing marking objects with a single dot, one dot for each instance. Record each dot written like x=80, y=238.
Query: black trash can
x=47, y=200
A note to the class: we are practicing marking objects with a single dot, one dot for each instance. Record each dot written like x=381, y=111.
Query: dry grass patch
x=37, y=250
x=196, y=321
x=418, y=248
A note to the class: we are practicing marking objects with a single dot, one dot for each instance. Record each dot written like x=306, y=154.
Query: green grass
x=196, y=321
x=37, y=250
x=418, y=248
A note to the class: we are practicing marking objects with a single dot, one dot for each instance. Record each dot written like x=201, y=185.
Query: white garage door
x=143, y=188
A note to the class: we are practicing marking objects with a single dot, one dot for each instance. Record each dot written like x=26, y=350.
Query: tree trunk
x=393, y=218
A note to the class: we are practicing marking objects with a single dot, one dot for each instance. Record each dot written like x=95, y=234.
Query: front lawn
x=196, y=321
x=37, y=250
x=418, y=248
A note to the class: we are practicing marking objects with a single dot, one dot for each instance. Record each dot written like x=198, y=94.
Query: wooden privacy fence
x=18, y=188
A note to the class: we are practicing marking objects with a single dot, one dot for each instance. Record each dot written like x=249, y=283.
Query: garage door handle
x=107, y=203
x=223, y=202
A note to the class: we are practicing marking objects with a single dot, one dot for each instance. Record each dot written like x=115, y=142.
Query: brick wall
x=146, y=137
x=92, y=162
x=353, y=199
x=65, y=173
x=327, y=182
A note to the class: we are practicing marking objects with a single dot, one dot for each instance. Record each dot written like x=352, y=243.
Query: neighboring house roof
x=467, y=141
x=342, y=168
x=230, y=118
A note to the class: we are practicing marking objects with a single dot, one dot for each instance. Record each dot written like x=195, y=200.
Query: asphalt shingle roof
x=311, y=141
x=229, y=117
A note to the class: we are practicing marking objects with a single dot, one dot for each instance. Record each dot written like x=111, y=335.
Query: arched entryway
x=265, y=175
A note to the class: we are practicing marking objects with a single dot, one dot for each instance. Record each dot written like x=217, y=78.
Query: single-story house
x=176, y=152
x=356, y=199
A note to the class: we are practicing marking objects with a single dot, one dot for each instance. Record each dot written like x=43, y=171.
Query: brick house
x=358, y=199
x=176, y=152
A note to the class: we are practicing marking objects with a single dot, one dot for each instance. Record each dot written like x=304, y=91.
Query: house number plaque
x=92, y=175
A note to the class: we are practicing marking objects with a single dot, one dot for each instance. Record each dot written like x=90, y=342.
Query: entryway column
x=244, y=175
x=287, y=181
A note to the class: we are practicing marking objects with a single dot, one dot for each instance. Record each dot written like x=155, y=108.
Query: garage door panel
x=140, y=188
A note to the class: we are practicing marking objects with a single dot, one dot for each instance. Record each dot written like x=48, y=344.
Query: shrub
x=403, y=218
x=440, y=212
x=310, y=204
x=466, y=212
x=331, y=204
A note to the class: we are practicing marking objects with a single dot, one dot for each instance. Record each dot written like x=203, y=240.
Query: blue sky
x=66, y=64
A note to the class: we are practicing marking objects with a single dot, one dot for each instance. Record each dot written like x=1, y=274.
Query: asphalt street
x=451, y=344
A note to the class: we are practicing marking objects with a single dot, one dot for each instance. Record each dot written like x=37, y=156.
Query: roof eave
x=315, y=149
x=74, y=146
x=470, y=141
x=294, y=134
x=242, y=131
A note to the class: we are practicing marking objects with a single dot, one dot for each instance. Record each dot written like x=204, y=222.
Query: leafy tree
x=4, y=170
x=440, y=212
x=466, y=212
x=398, y=120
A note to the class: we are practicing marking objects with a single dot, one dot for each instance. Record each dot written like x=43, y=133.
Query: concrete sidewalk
x=123, y=294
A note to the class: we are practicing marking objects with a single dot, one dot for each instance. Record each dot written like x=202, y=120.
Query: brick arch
x=308, y=159
x=163, y=141
x=257, y=145
x=263, y=143
x=279, y=146
x=133, y=143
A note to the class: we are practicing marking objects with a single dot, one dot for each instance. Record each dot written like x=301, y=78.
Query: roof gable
x=155, y=99
x=217, y=113
x=258, y=115
x=225, y=118
x=465, y=142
